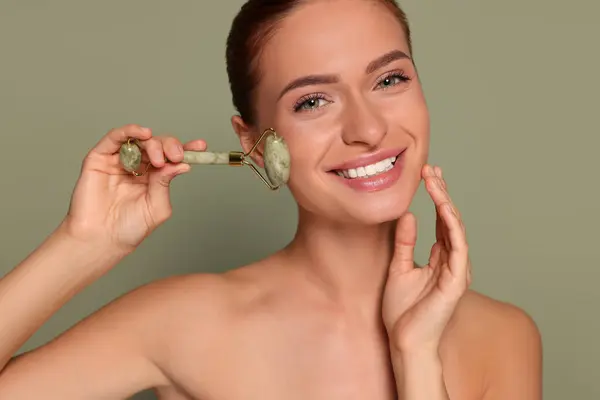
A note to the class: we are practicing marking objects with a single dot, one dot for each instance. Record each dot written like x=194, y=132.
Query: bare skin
x=340, y=313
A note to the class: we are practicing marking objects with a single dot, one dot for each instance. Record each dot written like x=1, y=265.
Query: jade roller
x=276, y=158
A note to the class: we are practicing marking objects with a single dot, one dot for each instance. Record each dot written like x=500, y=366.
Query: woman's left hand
x=418, y=302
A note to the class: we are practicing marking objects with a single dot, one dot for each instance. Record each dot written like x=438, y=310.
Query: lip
x=368, y=159
x=375, y=183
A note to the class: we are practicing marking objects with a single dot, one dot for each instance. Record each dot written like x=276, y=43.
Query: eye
x=310, y=102
x=392, y=79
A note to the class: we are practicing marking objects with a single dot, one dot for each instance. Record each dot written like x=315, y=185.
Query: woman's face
x=337, y=82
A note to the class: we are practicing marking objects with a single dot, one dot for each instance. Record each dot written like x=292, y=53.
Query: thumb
x=159, y=184
x=404, y=244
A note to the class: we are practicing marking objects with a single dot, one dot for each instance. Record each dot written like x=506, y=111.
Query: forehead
x=331, y=36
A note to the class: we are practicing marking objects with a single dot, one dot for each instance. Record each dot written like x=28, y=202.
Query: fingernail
x=179, y=150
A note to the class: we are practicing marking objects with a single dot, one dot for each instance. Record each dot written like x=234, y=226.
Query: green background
x=513, y=91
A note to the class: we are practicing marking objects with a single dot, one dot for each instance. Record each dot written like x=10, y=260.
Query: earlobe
x=248, y=137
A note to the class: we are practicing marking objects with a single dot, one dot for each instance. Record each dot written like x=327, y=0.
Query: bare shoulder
x=504, y=342
x=494, y=319
x=126, y=346
x=183, y=290
x=201, y=303
x=196, y=304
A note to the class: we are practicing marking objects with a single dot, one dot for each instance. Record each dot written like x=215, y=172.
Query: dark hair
x=251, y=28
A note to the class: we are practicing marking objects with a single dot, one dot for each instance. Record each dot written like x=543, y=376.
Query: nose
x=363, y=124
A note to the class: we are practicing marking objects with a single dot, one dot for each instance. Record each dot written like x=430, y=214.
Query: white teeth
x=368, y=170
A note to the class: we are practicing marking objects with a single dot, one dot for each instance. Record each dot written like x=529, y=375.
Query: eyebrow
x=308, y=81
x=386, y=59
x=373, y=66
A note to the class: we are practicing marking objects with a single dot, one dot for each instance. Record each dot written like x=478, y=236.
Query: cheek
x=307, y=141
x=410, y=113
x=306, y=157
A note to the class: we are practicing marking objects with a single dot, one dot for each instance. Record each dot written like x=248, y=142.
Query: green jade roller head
x=276, y=158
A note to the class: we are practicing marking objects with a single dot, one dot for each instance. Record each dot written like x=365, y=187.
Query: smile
x=372, y=173
x=370, y=170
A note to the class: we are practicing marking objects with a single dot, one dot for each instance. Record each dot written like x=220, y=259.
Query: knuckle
x=166, y=138
x=156, y=141
x=162, y=215
x=173, y=143
x=153, y=144
x=165, y=181
x=91, y=159
x=88, y=160
x=130, y=127
x=162, y=143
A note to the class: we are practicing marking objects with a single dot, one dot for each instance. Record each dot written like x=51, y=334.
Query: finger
x=454, y=208
x=435, y=187
x=172, y=148
x=440, y=230
x=404, y=245
x=458, y=257
x=435, y=255
x=161, y=147
x=195, y=145
x=159, y=189
x=427, y=172
x=112, y=141
x=154, y=151
x=437, y=190
x=439, y=174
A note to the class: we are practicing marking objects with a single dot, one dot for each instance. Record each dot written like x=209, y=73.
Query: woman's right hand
x=114, y=207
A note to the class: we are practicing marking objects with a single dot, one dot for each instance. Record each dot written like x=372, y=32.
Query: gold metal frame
x=240, y=158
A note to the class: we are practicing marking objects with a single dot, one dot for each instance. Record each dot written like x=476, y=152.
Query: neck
x=349, y=262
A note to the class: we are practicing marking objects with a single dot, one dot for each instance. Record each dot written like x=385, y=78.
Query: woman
x=342, y=312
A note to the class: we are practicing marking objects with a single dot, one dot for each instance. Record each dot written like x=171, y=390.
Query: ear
x=248, y=136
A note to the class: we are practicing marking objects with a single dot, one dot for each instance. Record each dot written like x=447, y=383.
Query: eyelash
x=400, y=75
x=305, y=99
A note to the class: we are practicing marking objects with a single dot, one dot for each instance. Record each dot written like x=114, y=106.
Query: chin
x=368, y=212
x=374, y=208
x=377, y=212
x=347, y=206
